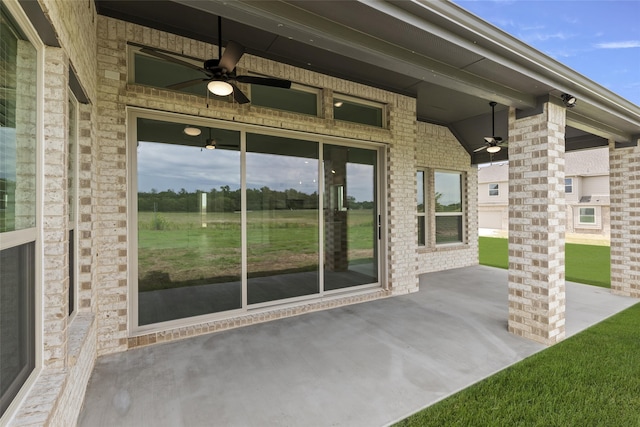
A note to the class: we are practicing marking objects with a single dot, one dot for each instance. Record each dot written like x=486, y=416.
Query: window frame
x=337, y=97
x=495, y=190
x=594, y=215
x=295, y=87
x=461, y=213
x=568, y=184
x=30, y=235
x=134, y=113
x=72, y=159
x=423, y=238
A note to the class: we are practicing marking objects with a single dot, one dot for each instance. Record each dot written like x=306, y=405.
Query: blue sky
x=599, y=39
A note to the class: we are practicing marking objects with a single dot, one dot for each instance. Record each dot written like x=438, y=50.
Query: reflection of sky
x=448, y=184
x=8, y=153
x=282, y=172
x=174, y=167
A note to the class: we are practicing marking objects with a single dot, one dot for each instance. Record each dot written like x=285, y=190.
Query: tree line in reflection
x=225, y=199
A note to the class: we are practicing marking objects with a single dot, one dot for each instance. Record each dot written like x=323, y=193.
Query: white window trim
x=425, y=213
x=570, y=184
x=73, y=223
x=497, y=189
x=34, y=234
x=596, y=217
x=463, y=208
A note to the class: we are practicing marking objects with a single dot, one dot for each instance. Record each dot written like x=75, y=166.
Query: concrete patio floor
x=369, y=364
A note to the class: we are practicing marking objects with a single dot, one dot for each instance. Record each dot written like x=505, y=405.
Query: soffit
x=450, y=61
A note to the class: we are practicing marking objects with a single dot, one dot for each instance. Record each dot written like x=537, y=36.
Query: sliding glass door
x=258, y=220
x=189, y=224
x=351, y=218
x=282, y=218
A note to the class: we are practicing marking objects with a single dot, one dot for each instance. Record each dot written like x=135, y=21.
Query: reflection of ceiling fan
x=493, y=144
x=220, y=73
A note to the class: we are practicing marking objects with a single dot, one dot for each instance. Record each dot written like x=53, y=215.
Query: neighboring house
x=120, y=227
x=586, y=189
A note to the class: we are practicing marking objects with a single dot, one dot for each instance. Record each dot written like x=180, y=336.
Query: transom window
x=494, y=189
x=356, y=110
x=298, y=99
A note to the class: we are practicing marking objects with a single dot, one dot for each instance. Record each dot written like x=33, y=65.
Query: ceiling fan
x=493, y=143
x=220, y=73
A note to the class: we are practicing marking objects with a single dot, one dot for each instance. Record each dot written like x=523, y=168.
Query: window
x=568, y=185
x=421, y=208
x=72, y=195
x=587, y=216
x=494, y=189
x=18, y=124
x=357, y=111
x=448, y=207
x=298, y=99
x=152, y=71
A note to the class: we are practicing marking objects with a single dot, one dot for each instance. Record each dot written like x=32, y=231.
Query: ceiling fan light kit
x=192, y=131
x=219, y=88
x=493, y=144
x=220, y=73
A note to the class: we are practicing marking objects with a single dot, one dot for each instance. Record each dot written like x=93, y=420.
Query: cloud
x=619, y=45
x=548, y=36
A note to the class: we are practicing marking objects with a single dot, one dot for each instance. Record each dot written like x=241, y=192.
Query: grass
x=175, y=250
x=590, y=379
x=584, y=263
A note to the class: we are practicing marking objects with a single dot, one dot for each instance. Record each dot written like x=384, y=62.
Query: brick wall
x=624, y=181
x=537, y=221
x=438, y=149
x=115, y=93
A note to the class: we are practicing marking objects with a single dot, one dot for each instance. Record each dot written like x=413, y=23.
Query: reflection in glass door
x=282, y=218
x=350, y=217
x=189, y=222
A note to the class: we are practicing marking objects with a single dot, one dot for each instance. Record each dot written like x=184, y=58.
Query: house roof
x=450, y=60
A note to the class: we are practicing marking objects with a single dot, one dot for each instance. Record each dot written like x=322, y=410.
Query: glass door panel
x=189, y=222
x=282, y=218
x=350, y=221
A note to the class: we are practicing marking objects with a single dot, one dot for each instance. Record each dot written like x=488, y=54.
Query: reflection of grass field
x=174, y=249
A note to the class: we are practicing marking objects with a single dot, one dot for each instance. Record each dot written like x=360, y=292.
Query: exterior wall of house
x=437, y=149
x=493, y=210
x=67, y=343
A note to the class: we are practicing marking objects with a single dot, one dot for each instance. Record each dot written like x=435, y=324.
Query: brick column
x=624, y=183
x=537, y=221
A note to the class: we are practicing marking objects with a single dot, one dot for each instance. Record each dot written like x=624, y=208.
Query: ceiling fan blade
x=182, y=85
x=503, y=144
x=484, y=147
x=232, y=54
x=489, y=139
x=265, y=81
x=172, y=59
x=240, y=97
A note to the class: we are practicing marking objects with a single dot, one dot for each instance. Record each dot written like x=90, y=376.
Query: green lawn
x=590, y=379
x=584, y=263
